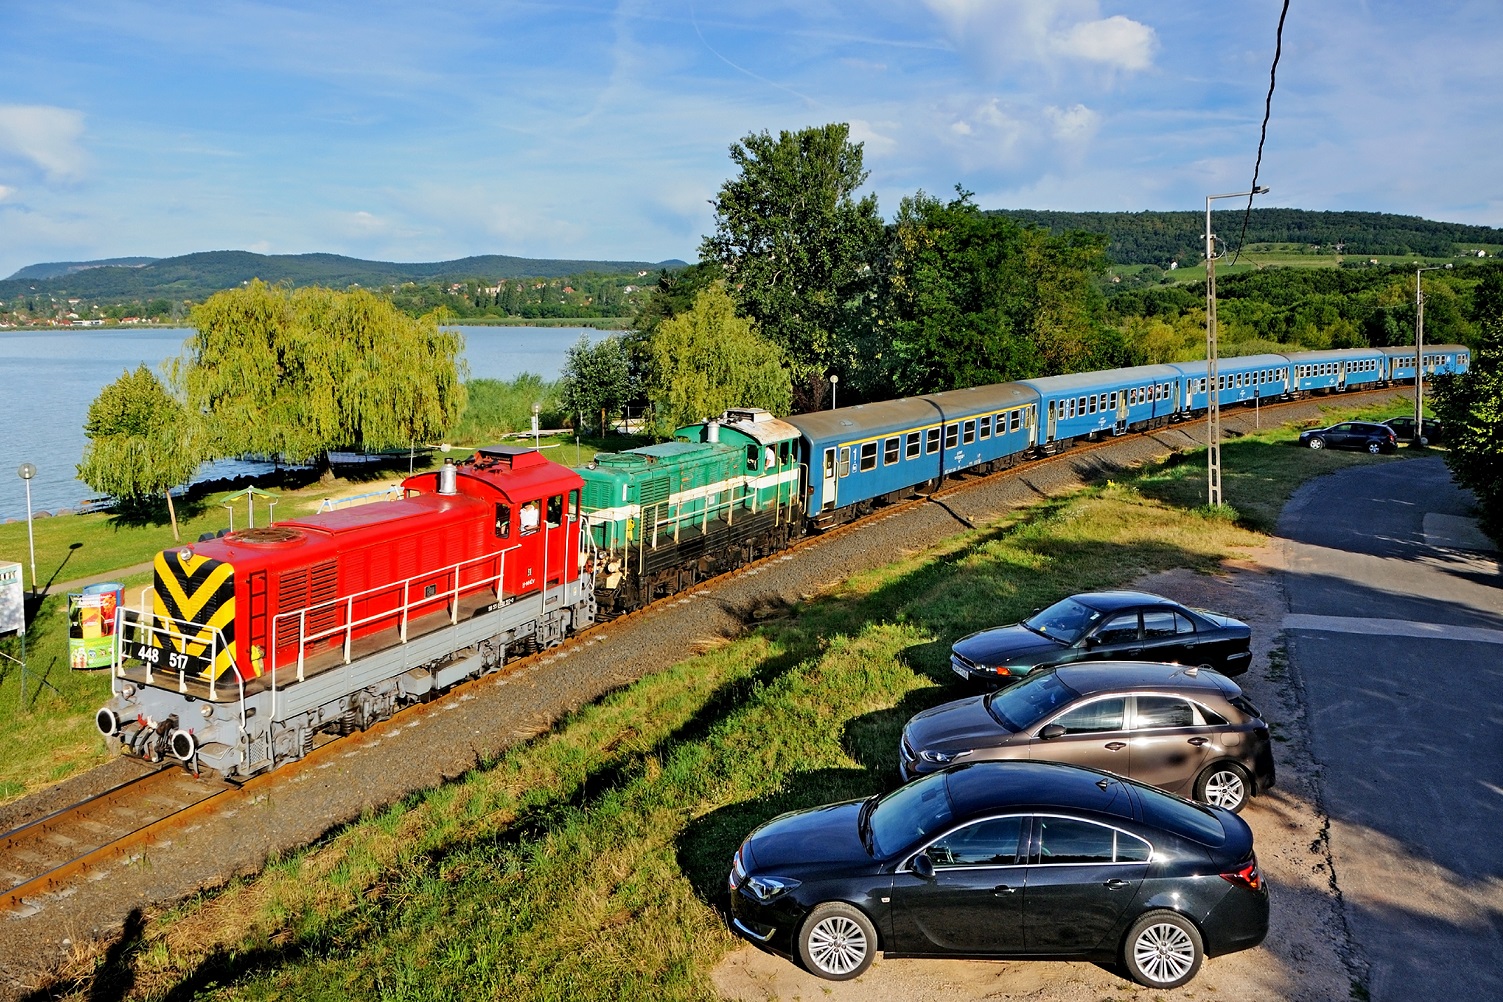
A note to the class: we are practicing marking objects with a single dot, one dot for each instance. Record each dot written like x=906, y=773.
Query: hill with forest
x=197, y=276
x=1161, y=237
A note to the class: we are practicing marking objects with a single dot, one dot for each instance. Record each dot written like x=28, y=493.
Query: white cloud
x=6, y=192
x=961, y=128
x=862, y=132
x=1115, y=41
x=1074, y=124
x=44, y=136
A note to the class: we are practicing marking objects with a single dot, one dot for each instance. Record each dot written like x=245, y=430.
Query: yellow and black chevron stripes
x=195, y=597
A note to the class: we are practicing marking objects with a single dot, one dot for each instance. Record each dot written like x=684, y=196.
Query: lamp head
x=1260, y=190
x=26, y=471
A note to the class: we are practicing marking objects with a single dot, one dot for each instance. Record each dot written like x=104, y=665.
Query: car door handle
x=1116, y=745
x=1004, y=889
x=1135, y=650
x=1197, y=742
x=1116, y=884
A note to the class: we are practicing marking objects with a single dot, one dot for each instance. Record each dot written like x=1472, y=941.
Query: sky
x=423, y=132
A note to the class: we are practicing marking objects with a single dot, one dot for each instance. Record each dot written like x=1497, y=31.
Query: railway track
x=86, y=837
x=113, y=828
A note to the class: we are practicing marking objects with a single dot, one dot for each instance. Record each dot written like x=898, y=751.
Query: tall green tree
x=967, y=297
x=596, y=379
x=796, y=245
x=1471, y=405
x=142, y=441
x=296, y=373
x=707, y=360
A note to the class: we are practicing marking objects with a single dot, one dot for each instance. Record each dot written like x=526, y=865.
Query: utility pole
x=1213, y=392
x=1419, y=351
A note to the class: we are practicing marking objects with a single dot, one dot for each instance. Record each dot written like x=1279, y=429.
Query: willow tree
x=296, y=373
x=141, y=441
x=707, y=359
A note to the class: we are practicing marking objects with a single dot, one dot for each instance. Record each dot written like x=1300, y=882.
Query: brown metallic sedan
x=1189, y=731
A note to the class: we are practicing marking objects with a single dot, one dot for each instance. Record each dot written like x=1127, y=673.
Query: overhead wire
x=1278, y=48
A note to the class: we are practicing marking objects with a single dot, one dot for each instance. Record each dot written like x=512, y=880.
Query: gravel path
x=431, y=744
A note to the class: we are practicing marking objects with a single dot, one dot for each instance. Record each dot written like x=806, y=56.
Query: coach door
x=1053, y=426
x=1121, y=425
x=827, y=498
x=1341, y=376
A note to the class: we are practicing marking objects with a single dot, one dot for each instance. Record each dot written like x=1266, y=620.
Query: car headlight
x=941, y=757
x=764, y=889
x=738, y=868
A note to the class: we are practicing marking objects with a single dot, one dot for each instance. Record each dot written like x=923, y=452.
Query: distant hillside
x=197, y=276
x=57, y=269
x=1161, y=237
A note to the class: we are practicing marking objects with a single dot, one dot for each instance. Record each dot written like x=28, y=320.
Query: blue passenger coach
x=1439, y=358
x=1338, y=368
x=1089, y=403
x=858, y=454
x=1244, y=378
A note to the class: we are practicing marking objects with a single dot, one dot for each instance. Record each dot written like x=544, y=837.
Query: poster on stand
x=91, y=625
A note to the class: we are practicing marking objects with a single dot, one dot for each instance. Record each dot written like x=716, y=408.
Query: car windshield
x=1020, y=706
x=1066, y=621
x=910, y=813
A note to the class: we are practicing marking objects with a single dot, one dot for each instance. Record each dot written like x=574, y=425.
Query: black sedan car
x=1004, y=859
x=1104, y=626
x=1186, y=730
x=1404, y=428
x=1364, y=435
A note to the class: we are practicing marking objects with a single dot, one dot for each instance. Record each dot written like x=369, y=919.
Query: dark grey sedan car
x=1189, y=731
x=1364, y=435
x=1104, y=626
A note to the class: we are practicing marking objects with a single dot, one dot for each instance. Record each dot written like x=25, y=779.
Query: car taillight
x=1249, y=876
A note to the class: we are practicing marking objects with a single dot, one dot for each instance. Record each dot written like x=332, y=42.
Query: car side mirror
x=1091, y=641
x=923, y=866
x=1052, y=731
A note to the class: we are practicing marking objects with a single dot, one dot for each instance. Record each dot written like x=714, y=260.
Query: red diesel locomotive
x=256, y=640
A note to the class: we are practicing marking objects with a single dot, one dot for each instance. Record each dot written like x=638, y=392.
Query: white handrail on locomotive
x=729, y=505
x=144, y=621
x=404, y=610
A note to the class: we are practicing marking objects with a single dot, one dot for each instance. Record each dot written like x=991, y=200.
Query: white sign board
x=12, y=600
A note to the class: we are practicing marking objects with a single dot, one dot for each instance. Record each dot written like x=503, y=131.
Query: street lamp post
x=26, y=471
x=833, y=380
x=536, y=410
x=1419, y=349
x=1213, y=394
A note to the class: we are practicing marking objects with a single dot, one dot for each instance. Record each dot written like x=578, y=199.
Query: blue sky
x=417, y=132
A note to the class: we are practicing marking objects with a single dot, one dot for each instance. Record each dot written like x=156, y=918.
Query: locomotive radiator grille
x=195, y=598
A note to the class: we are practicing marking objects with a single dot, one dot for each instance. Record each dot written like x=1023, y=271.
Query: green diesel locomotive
x=662, y=517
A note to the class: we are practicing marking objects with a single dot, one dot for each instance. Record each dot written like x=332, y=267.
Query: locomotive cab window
x=868, y=456
x=503, y=521
x=751, y=458
x=555, y=511
x=783, y=453
x=530, y=515
x=573, y=505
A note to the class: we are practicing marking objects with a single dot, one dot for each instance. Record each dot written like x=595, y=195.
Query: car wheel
x=837, y=942
x=1374, y=448
x=1224, y=784
x=1317, y=442
x=1423, y=440
x=1162, y=950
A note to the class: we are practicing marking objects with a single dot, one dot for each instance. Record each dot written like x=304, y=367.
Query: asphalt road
x=1395, y=630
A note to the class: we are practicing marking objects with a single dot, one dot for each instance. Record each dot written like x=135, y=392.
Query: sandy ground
x=1304, y=955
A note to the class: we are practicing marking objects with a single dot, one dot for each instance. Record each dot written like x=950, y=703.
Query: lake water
x=48, y=379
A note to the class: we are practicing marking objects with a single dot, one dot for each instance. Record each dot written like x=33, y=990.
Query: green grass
x=590, y=863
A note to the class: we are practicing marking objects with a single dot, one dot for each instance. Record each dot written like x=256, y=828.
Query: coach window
x=868, y=456
x=555, y=511
x=984, y=427
x=503, y=521
x=1016, y=422
x=952, y=435
x=889, y=452
x=931, y=441
x=845, y=461
x=911, y=447
x=1093, y=403
x=530, y=512
x=968, y=432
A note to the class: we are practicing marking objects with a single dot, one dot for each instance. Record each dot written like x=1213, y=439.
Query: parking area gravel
x=430, y=744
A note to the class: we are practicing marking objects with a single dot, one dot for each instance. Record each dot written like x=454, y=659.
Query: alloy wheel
x=837, y=945
x=1164, y=952
x=1225, y=788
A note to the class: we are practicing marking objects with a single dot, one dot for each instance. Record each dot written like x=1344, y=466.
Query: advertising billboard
x=12, y=600
x=91, y=625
